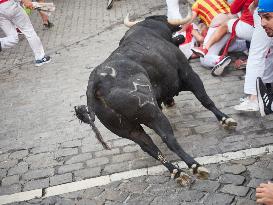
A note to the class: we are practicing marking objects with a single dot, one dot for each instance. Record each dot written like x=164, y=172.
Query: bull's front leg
x=162, y=127
x=147, y=145
x=195, y=85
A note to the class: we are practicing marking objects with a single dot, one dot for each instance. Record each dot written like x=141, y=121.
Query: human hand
x=264, y=194
x=28, y=4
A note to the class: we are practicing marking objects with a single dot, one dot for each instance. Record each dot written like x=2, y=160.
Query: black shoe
x=219, y=68
x=264, y=98
x=110, y=4
x=0, y=47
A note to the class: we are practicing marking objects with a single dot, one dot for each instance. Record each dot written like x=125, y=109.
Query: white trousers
x=212, y=57
x=242, y=29
x=260, y=59
x=11, y=16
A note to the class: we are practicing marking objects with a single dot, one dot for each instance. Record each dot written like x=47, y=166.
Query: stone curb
x=104, y=180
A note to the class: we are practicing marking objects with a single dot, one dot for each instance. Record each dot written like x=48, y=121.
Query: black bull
x=128, y=88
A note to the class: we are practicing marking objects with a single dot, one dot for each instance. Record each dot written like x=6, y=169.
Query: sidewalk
x=230, y=183
x=43, y=145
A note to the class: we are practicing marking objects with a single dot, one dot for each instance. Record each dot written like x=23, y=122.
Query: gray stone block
x=233, y=169
x=185, y=196
x=15, y=188
x=235, y=190
x=232, y=179
x=4, y=157
x=69, y=168
x=218, y=199
x=97, y=162
x=131, y=148
x=113, y=195
x=255, y=182
x=123, y=157
x=246, y=202
x=113, y=168
x=8, y=164
x=19, y=154
x=87, y=173
x=91, y=147
x=36, y=184
x=60, y=179
x=107, y=152
x=20, y=168
x=36, y=174
x=66, y=152
x=10, y=180
x=206, y=186
x=47, y=148
x=79, y=158
x=260, y=172
x=42, y=160
x=73, y=143
x=3, y=173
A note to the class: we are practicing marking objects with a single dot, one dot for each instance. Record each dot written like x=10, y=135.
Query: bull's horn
x=183, y=21
x=129, y=23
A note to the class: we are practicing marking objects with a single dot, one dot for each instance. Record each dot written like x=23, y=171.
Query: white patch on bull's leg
x=148, y=96
x=174, y=173
x=228, y=123
x=161, y=158
x=112, y=72
x=184, y=179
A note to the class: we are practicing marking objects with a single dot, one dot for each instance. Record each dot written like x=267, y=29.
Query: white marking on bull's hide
x=148, y=95
x=112, y=71
x=103, y=74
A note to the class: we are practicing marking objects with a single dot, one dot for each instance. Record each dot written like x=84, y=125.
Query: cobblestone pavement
x=41, y=142
x=230, y=183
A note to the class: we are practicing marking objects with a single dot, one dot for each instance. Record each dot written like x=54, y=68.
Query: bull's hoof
x=200, y=172
x=184, y=179
x=228, y=123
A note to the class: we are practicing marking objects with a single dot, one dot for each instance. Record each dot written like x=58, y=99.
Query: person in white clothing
x=264, y=92
x=13, y=16
x=259, y=64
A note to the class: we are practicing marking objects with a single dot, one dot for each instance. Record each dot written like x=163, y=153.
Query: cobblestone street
x=42, y=144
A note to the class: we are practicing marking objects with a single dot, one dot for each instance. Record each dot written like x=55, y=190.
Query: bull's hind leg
x=162, y=127
x=195, y=85
x=136, y=133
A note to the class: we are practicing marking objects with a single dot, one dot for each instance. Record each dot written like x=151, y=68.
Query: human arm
x=199, y=38
x=236, y=6
x=193, y=17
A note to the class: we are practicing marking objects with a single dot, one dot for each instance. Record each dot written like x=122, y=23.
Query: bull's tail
x=84, y=116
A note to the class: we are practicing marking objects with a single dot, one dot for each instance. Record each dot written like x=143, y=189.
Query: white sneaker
x=247, y=105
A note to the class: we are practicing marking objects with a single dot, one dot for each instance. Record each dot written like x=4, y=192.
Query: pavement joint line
x=155, y=170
